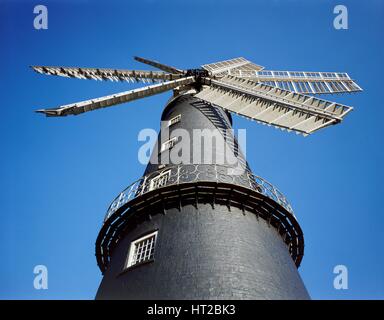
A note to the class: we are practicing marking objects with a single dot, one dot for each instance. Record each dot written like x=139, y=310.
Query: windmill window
x=160, y=180
x=168, y=144
x=174, y=120
x=142, y=250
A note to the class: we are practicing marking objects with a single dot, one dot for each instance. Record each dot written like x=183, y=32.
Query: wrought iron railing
x=179, y=174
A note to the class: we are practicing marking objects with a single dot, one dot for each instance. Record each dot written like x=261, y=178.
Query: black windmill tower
x=197, y=228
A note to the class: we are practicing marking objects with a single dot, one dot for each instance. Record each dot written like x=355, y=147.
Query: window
x=142, y=250
x=168, y=144
x=174, y=120
x=160, y=180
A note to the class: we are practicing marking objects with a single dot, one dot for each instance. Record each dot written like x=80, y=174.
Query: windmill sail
x=274, y=106
x=236, y=67
x=159, y=65
x=306, y=82
x=271, y=97
x=111, y=100
x=107, y=74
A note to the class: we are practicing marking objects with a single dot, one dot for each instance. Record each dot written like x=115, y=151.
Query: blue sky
x=58, y=175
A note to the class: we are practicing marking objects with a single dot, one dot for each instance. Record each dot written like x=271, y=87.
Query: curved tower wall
x=216, y=238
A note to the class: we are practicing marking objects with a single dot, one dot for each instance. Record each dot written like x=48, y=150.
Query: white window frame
x=153, y=183
x=174, y=120
x=168, y=144
x=131, y=260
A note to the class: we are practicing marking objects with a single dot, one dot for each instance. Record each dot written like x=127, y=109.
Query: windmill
x=145, y=217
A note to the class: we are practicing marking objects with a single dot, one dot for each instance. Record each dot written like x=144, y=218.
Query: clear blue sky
x=58, y=175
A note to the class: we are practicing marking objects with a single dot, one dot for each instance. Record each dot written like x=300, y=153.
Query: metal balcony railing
x=179, y=174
